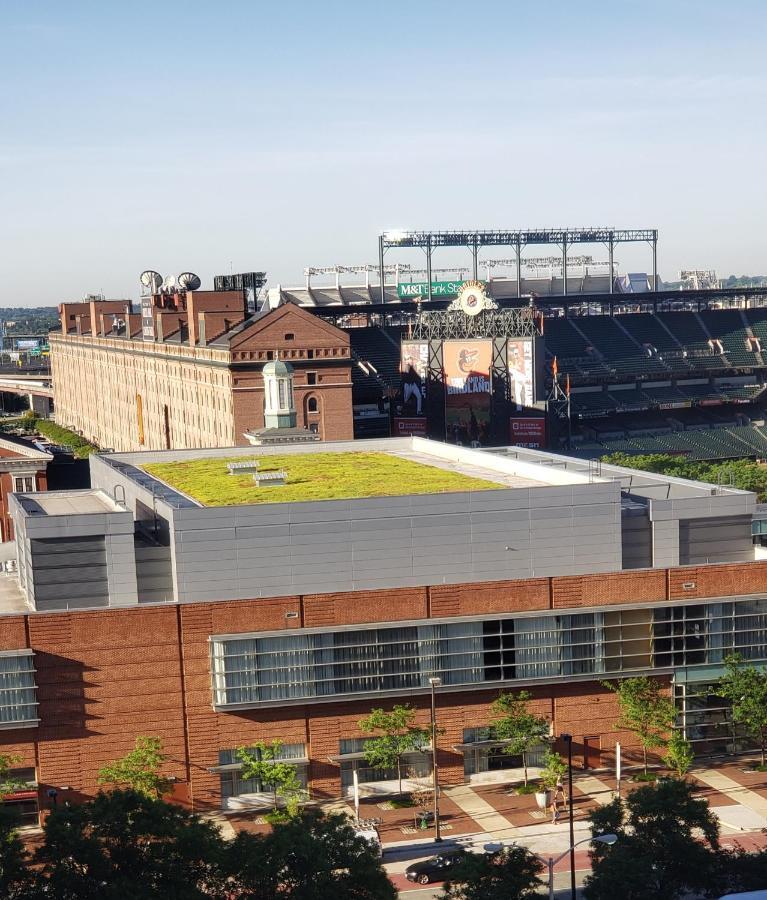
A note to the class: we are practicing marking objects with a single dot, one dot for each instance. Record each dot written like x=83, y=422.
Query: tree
x=511, y=874
x=312, y=857
x=8, y=781
x=125, y=845
x=746, y=689
x=741, y=870
x=139, y=770
x=397, y=734
x=644, y=711
x=554, y=769
x=679, y=754
x=261, y=762
x=745, y=474
x=658, y=855
x=16, y=879
x=516, y=724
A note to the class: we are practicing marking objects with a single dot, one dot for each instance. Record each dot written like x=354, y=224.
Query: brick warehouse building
x=139, y=609
x=192, y=376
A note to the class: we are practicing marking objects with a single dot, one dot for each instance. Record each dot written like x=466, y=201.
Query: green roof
x=312, y=476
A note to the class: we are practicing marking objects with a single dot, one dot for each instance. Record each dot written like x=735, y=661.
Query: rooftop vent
x=270, y=479
x=249, y=465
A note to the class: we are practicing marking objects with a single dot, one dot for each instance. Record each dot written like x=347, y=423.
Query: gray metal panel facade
x=280, y=549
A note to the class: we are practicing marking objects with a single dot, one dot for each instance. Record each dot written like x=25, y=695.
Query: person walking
x=560, y=796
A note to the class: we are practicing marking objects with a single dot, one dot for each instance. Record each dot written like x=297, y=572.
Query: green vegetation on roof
x=312, y=476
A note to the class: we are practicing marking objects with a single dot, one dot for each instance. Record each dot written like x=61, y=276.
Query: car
x=435, y=868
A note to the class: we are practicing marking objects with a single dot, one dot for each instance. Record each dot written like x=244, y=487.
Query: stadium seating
x=357, y=295
x=698, y=444
x=623, y=355
x=648, y=329
x=729, y=326
x=757, y=319
x=378, y=351
x=596, y=402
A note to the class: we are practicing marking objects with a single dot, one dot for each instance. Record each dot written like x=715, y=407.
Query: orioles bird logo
x=467, y=359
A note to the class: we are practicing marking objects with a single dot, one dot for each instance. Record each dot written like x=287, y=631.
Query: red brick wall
x=107, y=676
x=6, y=487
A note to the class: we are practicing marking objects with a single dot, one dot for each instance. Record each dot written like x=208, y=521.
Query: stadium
x=623, y=367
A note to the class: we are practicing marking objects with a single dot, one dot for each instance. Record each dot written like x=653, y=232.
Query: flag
x=567, y=384
x=555, y=369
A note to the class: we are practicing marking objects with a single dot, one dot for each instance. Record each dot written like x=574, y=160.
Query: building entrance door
x=592, y=752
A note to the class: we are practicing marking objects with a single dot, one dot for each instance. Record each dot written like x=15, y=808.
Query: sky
x=238, y=136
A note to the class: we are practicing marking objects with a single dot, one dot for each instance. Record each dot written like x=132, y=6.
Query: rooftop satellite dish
x=169, y=284
x=188, y=281
x=151, y=280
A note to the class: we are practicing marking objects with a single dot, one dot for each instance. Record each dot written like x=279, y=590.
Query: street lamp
x=568, y=739
x=552, y=861
x=435, y=682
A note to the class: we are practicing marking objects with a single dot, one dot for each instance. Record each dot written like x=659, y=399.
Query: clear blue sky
x=266, y=135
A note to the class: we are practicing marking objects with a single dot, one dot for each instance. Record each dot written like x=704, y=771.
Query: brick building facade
x=218, y=627
x=22, y=468
x=194, y=378
x=105, y=676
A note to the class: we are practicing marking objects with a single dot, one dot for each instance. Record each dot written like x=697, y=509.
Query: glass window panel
x=18, y=695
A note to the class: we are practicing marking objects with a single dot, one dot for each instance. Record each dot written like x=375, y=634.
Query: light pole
x=568, y=739
x=552, y=861
x=435, y=682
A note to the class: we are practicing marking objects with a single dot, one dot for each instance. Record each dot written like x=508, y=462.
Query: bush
x=65, y=438
x=645, y=777
x=530, y=788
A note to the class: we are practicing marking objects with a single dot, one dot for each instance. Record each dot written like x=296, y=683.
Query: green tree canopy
x=16, y=880
x=743, y=473
x=262, y=763
x=395, y=734
x=746, y=688
x=658, y=855
x=313, y=857
x=515, y=723
x=510, y=875
x=126, y=846
x=8, y=781
x=645, y=711
x=679, y=754
x=139, y=770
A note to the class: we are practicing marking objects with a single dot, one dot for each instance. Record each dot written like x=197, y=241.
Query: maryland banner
x=466, y=366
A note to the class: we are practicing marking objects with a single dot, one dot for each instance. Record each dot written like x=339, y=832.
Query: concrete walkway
x=482, y=812
x=728, y=786
x=599, y=791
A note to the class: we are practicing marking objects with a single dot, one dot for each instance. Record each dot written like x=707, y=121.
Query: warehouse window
x=18, y=700
x=24, y=484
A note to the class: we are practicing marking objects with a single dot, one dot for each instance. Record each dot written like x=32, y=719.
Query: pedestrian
x=559, y=794
x=554, y=809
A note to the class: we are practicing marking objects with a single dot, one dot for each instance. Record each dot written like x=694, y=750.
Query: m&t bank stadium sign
x=421, y=289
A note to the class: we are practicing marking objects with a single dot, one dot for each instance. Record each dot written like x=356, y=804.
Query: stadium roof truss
x=519, y=240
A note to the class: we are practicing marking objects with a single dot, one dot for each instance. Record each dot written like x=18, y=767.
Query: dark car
x=436, y=868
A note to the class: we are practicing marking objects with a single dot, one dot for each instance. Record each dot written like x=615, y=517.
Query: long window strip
x=571, y=651
x=375, y=658
x=372, y=684
x=375, y=661
x=375, y=649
